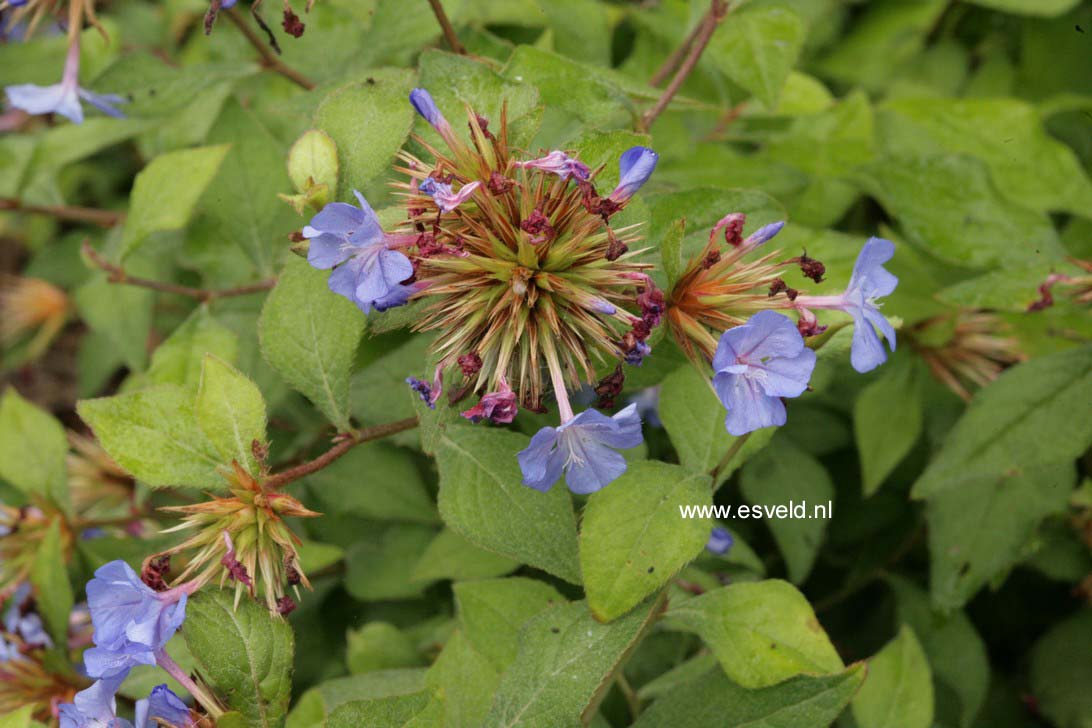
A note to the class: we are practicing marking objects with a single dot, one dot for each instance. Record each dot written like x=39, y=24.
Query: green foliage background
x=957, y=562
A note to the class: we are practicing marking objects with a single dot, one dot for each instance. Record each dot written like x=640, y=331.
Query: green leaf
x=374, y=480
x=1025, y=163
x=310, y=336
x=369, y=121
x=18, y=718
x=887, y=420
x=588, y=93
x=378, y=564
x=450, y=556
x=957, y=654
x=713, y=701
x=1020, y=422
x=464, y=681
x=242, y=199
x=757, y=46
x=564, y=658
x=886, y=37
x=784, y=475
x=178, y=360
x=671, y=251
x=123, y=314
x=166, y=192
x=49, y=575
x=491, y=612
x=1061, y=668
x=762, y=633
x=314, y=706
x=632, y=538
x=231, y=411
x=244, y=653
x=582, y=29
x=899, y=686
x=153, y=434
x=979, y=528
x=33, y=449
x=380, y=646
x=694, y=419
x=482, y=498
x=1047, y=8
x=456, y=81
x=978, y=231
x=390, y=712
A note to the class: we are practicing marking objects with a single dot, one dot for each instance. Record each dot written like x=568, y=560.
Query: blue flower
x=442, y=194
x=869, y=282
x=635, y=166
x=757, y=364
x=132, y=622
x=163, y=704
x=561, y=164
x=763, y=234
x=426, y=107
x=581, y=448
x=720, y=540
x=94, y=707
x=368, y=273
x=62, y=98
x=26, y=625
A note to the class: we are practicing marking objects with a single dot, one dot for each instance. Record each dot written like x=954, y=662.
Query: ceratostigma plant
x=523, y=279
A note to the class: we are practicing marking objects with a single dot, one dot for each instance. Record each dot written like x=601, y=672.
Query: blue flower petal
x=326, y=251
x=540, y=461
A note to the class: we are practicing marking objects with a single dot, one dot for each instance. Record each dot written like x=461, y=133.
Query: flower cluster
x=725, y=309
x=522, y=277
x=132, y=625
x=242, y=538
x=965, y=349
x=530, y=290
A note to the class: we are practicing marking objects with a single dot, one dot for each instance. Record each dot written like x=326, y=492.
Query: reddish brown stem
x=117, y=274
x=677, y=55
x=351, y=440
x=445, y=25
x=717, y=10
x=102, y=218
x=269, y=58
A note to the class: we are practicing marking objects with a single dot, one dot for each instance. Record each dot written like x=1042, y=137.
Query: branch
x=117, y=274
x=351, y=440
x=102, y=218
x=672, y=61
x=445, y=25
x=269, y=58
x=704, y=32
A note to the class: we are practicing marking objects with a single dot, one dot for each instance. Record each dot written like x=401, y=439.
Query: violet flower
x=757, y=364
x=720, y=540
x=132, y=622
x=561, y=164
x=635, y=166
x=870, y=281
x=368, y=272
x=63, y=98
x=442, y=194
x=581, y=448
